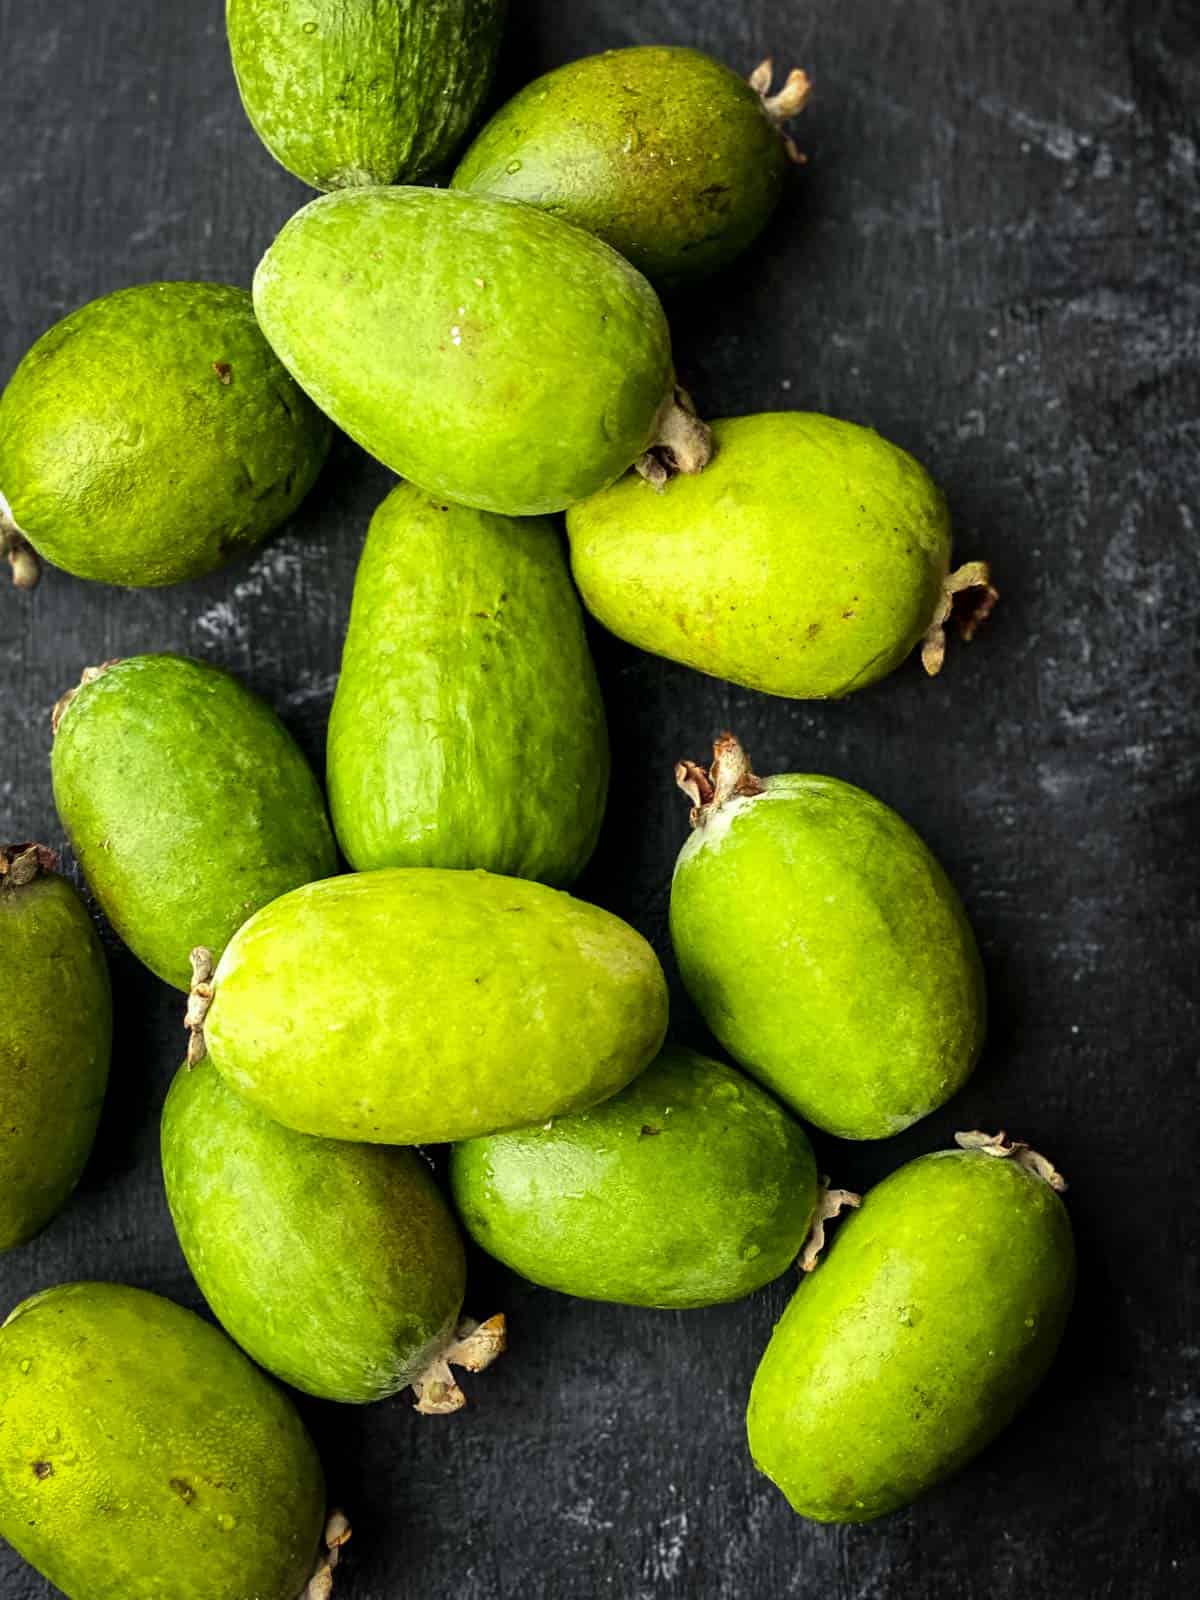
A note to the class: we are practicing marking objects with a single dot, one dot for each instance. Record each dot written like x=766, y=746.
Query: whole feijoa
x=689, y=1187
x=824, y=946
x=923, y=1331
x=808, y=560
x=467, y=728
x=378, y=92
x=145, y=1456
x=153, y=435
x=480, y=348
x=55, y=1040
x=188, y=804
x=664, y=153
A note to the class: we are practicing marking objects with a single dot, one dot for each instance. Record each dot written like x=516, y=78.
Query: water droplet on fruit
x=26, y=1365
x=310, y=27
x=513, y=166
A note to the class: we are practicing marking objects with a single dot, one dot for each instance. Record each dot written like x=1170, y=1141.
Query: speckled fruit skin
x=188, y=804
x=416, y=1005
x=152, y=436
x=336, y=1266
x=829, y=954
x=374, y=92
x=142, y=1455
x=55, y=1044
x=467, y=728
x=932, y=1318
x=478, y=347
x=662, y=152
x=806, y=560
x=690, y=1187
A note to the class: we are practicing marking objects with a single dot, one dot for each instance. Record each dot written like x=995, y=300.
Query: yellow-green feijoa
x=467, y=728
x=381, y=91
x=479, y=347
x=926, y=1327
x=670, y=157
x=152, y=436
x=417, y=1005
x=690, y=1187
x=824, y=946
x=188, y=804
x=55, y=1040
x=336, y=1266
x=808, y=560
x=143, y=1455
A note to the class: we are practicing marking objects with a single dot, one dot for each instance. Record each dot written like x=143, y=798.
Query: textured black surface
x=993, y=258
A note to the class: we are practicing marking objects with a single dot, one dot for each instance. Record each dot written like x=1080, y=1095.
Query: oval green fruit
x=690, y=1187
x=377, y=92
x=662, y=152
x=336, y=1266
x=933, y=1317
x=478, y=347
x=145, y=1456
x=808, y=559
x=187, y=802
x=824, y=946
x=416, y=1005
x=467, y=727
x=55, y=1040
x=153, y=435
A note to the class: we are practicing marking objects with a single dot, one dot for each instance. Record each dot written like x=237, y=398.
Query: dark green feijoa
x=467, y=728
x=188, y=804
x=478, y=347
x=932, y=1319
x=824, y=946
x=662, y=152
x=55, y=1040
x=336, y=1266
x=152, y=436
x=145, y=1456
x=690, y=1187
x=375, y=92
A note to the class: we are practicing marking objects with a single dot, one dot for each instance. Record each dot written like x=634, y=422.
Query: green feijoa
x=336, y=1266
x=143, y=1455
x=478, y=347
x=824, y=946
x=187, y=801
x=55, y=1040
x=931, y=1320
x=152, y=436
x=662, y=152
x=377, y=92
x=416, y=1005
x=467, y=727
x=808, y=559
x=690, y=1187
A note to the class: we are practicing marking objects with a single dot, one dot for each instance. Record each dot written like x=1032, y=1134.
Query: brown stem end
x=730, y=776
x=200, y=998
x=22, y=863
x=474, y=1347
x=973, y=580
x=336, y=1537
x=89, y=675
x=998, y=1144
x=830, y=1204
x=787, y=103
x=16, y=548
x=682, y=443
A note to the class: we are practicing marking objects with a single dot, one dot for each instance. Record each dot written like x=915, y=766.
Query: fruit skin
x=662, y=152
x=478, y=347
x=467, y=728
x=152, y=436
x=807, y=560
x=144, y=1455
x=828, y=952
x=55, y=1041
x=416, y=1005
x=188, y=803
x=689, y=1187
x=928, y=1324
x=378, y=92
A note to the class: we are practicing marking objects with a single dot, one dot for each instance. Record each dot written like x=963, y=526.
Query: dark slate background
x=993, y=257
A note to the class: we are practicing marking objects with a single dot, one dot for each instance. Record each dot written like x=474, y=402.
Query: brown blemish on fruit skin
x=223, y=371
x=42, y=1469
x=183, y=1489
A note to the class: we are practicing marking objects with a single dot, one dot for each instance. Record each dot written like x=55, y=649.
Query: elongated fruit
x=824, y=946
x=415, y=1005
x=467, y=727
x=934, y=1316
x=187, y=802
